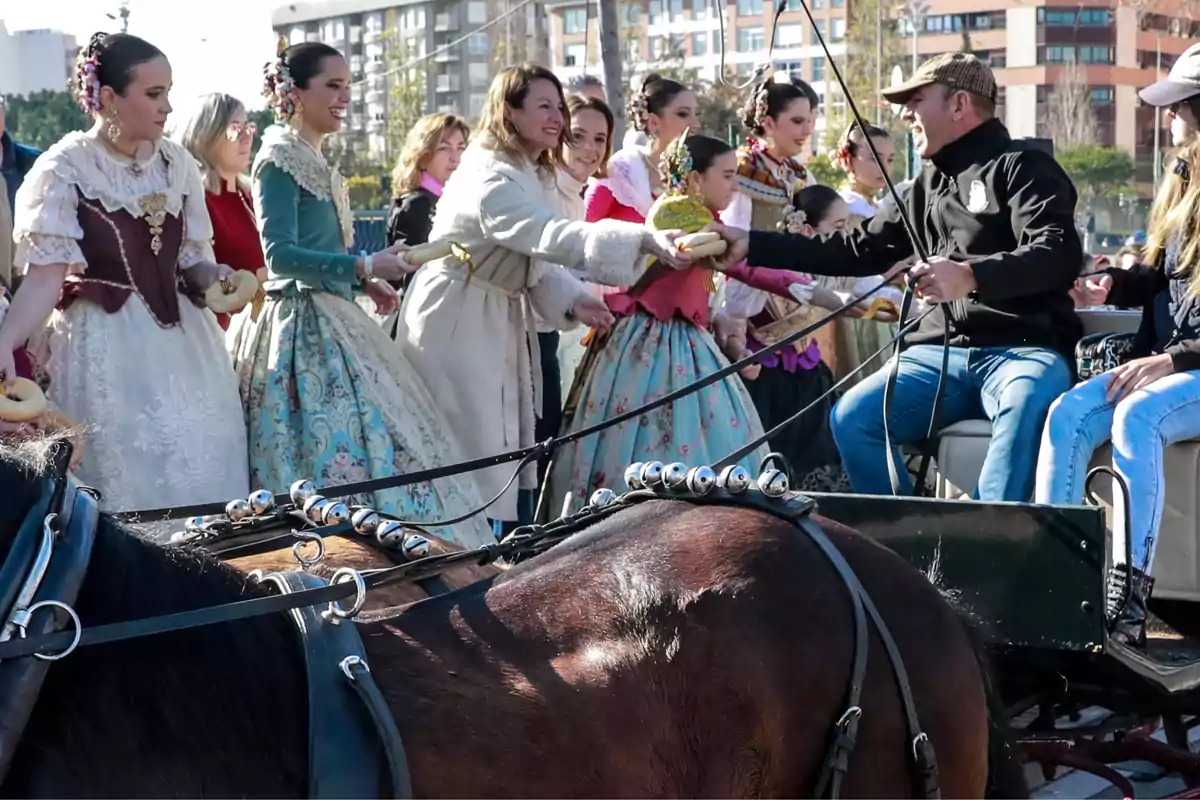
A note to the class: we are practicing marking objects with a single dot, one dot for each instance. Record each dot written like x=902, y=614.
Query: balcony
x=448, y=83
x=445, y=22
x=375, y=66
x=372, y=36
x=377, y=126
x=447, y=56
x=375, y=97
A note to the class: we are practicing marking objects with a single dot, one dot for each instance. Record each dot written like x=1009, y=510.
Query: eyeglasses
x=241, y=130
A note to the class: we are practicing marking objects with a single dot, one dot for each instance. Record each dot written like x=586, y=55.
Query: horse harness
x=355, y=748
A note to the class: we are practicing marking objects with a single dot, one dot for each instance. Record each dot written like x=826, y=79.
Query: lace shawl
x=284, y=148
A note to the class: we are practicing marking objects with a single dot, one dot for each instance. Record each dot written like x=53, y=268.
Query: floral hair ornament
x=279, y=84
x=793, y=221
x=677, y=165
x=638, y=111
x=89, y=84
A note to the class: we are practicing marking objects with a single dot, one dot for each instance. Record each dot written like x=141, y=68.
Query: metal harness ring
x=298, y=548
x=27, y=614
x=353, y=661
x=335, y=611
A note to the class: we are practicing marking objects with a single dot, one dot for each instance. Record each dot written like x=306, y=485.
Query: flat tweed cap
x=960, y=71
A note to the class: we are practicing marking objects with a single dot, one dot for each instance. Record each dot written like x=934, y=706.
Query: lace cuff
x=193, y=252
x=43, y=249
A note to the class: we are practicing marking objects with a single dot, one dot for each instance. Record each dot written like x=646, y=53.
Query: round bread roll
x=243, y=286
x=22, y=401
x=424, y=253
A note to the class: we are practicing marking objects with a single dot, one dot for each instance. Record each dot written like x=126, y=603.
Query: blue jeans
x=1140, y=425
x=1011, y=386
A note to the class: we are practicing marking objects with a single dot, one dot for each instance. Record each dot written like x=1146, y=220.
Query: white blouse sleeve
x=741, y=301
x=46, y=226
x=197, y=225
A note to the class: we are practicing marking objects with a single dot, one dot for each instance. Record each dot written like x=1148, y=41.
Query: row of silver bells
x=366, y=521
x=677, y=478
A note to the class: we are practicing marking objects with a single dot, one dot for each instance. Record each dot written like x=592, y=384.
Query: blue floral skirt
x=643, y=360
x=331, y=398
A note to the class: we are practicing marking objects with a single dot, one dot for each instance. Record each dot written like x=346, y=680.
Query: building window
x=749, y=8
x=575, y=55
x=791, y=35
x=838, y=3
x=477, y=101
x=1070, y=17
x=675, y=45
x=838, y=32
x=817, y=4
x=818, y=69
x=1095, y=54
x=699, y=9
x=633, y=13
x=699, y=44
x=656, y=12
x=750, y=39
x=676, y=10
x=575, y=20
x=1102, y=96
x=1057, y=54
x=478, y=44
x=477, y=12
x=820, y=29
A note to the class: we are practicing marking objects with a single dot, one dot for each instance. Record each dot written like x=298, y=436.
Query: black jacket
x=1004, y=207
x=411, y=218
x=1170, y=315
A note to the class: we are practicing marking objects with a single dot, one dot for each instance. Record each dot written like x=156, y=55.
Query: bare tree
x=1068, y=115
x=610, y=57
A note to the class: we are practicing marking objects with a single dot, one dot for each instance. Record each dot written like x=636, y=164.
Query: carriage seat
x=962, y=447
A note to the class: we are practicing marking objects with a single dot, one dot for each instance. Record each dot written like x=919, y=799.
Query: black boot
x=1130, y=628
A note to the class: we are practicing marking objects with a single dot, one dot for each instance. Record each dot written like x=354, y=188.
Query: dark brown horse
x=670, y=650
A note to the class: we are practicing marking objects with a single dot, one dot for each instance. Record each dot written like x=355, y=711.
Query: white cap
x=1181, y=83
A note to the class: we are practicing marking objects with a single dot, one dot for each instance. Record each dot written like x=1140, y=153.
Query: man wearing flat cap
x=997, y=218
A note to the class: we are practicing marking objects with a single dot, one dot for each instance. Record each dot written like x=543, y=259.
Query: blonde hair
x=420, y=145
x=508, y=90
x=1175, y=210
x=204, y=129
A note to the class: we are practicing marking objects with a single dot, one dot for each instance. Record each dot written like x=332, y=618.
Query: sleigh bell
x=701, y=480
x=365, y=521
x=314, y=508
x=633, y=475
x=734, y=479
x=602, y=497
x=652, y=473
x=261, y=501
x=773, y=483
x=674, y=476
x=335, y=514
x=301, y=491
x=237, y=510
x=415, y=547
x=389, y=533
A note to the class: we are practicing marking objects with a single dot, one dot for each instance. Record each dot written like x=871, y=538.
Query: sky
x=213, y=45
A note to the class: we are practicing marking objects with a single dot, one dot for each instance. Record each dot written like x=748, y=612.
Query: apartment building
x=35, y=60
x=448, y=47
x=1117, y=47
x=689, y=32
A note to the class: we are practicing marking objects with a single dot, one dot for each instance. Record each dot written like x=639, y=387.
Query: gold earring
x=114, y=126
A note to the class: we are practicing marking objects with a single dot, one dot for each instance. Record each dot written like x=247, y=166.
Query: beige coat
x=472, y=336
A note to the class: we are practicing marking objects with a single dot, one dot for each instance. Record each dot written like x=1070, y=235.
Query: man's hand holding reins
x=940, y=280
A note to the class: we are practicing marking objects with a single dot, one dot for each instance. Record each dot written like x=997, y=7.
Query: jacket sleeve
x=1041, y=203
x=868, y=250
x=277, y=201
x=1185, y=355
x=411, y=219
x=1135, y=287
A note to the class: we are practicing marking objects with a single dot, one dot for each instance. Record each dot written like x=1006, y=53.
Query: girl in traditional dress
x=114, y=220
x=779, y=116
x=859, y=338
x=472, y=325
x=328, y=395
x=661, y=343
x=220, y=136
x=663, y=109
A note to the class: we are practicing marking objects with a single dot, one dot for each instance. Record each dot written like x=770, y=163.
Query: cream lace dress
x=160, y=404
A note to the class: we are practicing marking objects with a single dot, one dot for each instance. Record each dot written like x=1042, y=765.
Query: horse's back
x=677, y=650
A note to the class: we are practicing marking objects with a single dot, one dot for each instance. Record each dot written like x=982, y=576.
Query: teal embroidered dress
x=328, y=395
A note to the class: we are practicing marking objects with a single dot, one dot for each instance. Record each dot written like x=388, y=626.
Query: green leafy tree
x=824, y=171
x=406, y=90
x=1098, y=171
x=44, y=117
x=873, y=47
x=966, y=42
x=262, y=119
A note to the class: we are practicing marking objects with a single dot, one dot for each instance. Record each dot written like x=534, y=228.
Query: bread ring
x=424, y=253
x=232, y=294
x=881, y=306
x=707, y=249
x=693, y=240
x=23, y=401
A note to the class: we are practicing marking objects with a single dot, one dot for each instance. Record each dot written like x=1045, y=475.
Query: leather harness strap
x=348, y=719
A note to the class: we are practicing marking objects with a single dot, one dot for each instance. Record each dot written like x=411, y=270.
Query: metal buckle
x=21, y=620
x=298, y=548
x=335, y=613
x=353, y=661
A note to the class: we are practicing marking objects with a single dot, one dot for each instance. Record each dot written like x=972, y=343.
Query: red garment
x=599, y=203
x=235, y=233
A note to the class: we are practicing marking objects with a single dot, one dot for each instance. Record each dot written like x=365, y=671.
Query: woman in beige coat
x=472, y=325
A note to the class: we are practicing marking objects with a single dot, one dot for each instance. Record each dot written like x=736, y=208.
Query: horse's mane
x=217, y=710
